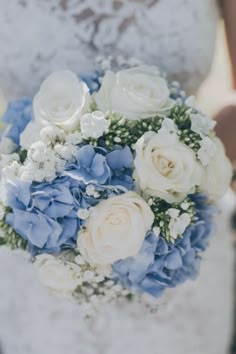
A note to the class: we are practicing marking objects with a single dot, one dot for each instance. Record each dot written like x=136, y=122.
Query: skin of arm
x=226, y=117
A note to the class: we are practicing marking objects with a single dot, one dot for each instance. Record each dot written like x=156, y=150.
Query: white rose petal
x=168, y=132
x=7, y=146
x=93, y=125
x=115, y=229
x=56, y=275
x=206, y=151
x=30, y=135
x=201, y=124
x=61, y=101
x=135, y=93
x=168, y=171
x=218, y=173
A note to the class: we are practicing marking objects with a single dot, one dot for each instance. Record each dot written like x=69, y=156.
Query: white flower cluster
x=165, y=169
x=47, y=157
x=77, y=279
x=62, y=106
x=178, y=222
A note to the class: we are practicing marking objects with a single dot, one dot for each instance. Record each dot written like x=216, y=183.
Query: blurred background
x=218, y=83
x=210, y=99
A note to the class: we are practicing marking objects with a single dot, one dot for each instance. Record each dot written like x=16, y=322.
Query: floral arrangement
x=110, y=183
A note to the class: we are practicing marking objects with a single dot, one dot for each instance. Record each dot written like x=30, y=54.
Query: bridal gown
x=37, y=37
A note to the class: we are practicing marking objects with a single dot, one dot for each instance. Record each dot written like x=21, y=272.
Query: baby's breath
x=181, y=116
x=162, y=219
x=125, y=132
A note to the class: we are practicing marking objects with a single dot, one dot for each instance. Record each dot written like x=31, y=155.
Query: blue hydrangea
x=102, y=168
x=17, y=116
x=160, y=264
x=44, y=214
x=92, y=80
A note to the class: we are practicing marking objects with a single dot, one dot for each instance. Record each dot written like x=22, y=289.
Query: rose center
x=165, y=166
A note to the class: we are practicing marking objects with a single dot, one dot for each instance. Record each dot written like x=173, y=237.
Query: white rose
x=93, y=125
x=201, y=124
x=61, y=101
x=56, y=275
x=134, y=93
x=115, y=229
x=166, y=168
x=218, y=173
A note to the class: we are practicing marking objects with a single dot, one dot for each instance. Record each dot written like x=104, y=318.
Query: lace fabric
x=38, y=37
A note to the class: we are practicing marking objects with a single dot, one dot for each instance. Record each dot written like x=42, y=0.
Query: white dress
x=37, y=37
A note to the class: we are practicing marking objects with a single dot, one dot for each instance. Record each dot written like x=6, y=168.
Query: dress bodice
x=40, y=36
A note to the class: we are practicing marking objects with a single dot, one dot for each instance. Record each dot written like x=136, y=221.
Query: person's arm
x=229, y=13
x=226, y=117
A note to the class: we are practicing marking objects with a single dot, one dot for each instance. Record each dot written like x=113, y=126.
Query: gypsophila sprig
x=109, y=183
x=181, y=115
x=125, y=132
x=166, y=214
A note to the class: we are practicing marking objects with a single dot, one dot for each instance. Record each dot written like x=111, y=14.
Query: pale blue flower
x=92, y=80
x=102, y=168
x=91, y=166
x=44, y=214
x=17, y=116
x=37, y=228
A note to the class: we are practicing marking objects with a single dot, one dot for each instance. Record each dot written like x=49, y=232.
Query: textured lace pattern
x=40, y=36
x=192, y=319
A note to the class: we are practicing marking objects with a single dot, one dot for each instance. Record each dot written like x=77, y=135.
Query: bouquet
x=109, y=182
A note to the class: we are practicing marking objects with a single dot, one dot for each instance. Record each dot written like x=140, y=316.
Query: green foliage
x=10, y=237
x=162, y=219
x=181, y=116
x=125, y=132
x=22, y=155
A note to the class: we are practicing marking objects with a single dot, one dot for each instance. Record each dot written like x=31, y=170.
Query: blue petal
x=119, y=159
x=174, y=260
